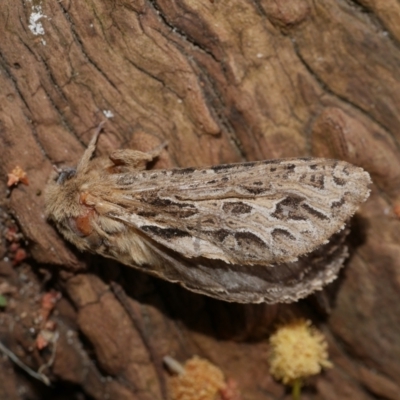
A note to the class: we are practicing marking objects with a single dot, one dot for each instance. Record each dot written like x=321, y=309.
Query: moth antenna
x=87, y=155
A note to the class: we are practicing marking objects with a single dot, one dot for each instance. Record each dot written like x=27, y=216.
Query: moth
x=269, y=231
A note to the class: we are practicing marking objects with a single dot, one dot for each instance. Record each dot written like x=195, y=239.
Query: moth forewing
x=219, y=231
x=252, y=213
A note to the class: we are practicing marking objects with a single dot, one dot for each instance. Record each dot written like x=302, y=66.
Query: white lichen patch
x=35, y=25
x=108, y=113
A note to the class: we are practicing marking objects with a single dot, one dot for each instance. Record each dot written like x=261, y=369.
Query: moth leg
x=101, y=207
x=94, y=223
x=134, y=158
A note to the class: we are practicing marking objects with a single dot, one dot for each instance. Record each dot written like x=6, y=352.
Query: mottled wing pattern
x=259, y=213
x=285, y=283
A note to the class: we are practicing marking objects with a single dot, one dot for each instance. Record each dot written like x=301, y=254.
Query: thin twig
x=37, y=375
x=53, y=354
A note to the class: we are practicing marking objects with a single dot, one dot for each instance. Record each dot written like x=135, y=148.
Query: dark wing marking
x=252, y=213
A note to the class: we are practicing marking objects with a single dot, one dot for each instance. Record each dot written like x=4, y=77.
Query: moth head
x=60, y=192
x=63, y=174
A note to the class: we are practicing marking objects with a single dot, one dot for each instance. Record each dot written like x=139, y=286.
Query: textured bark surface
x=222, y=81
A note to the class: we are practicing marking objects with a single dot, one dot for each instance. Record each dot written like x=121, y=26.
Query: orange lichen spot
x=44, y=337
x=199, y=380
x=19, y=256
x=48, y=302
x=16, y=176
x=47, y=332
x=298, y=350
x=14, y=239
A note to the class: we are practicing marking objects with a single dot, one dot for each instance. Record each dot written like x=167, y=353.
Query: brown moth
x=269, y=231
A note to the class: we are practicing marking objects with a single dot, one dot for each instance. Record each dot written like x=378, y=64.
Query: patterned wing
x=259, y=213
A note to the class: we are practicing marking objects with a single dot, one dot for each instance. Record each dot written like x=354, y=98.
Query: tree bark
x=221, y=81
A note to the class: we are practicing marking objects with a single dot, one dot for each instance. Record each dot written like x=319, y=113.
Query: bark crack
x=176, y=30
x=331, y=92
x=85, y=54
x=4, y=64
